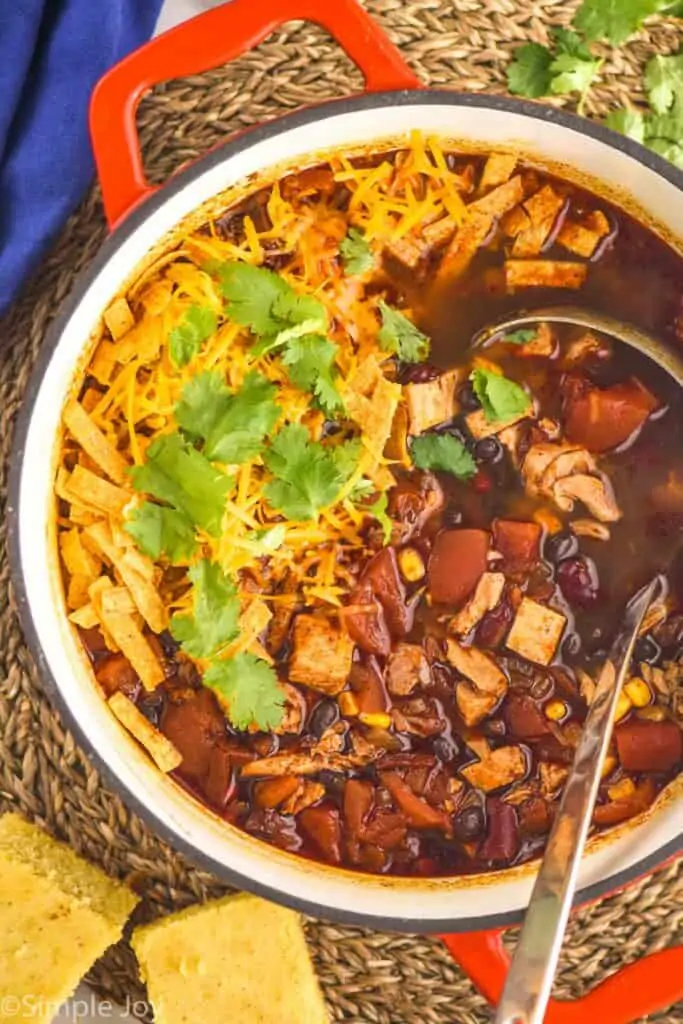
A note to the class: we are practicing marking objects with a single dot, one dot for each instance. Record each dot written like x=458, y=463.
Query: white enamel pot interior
x=548, y=137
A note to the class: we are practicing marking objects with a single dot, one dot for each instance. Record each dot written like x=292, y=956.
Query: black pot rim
x=233, y=145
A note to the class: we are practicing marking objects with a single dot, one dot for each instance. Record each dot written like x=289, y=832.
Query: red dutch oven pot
x=468, y=914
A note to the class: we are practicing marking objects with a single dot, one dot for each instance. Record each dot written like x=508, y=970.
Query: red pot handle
x=641, y=988
x=205, y=42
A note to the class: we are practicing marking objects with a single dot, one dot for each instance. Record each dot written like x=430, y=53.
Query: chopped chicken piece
x=440, y=232
x=536, y=631
x=498, y=169
x=411, y=503
x=544, y=274
x=478, y=667
x=583, y=238
x=407, y=668
x=501, y=767
x=543, y=344
x=322, y=655
x=306, y=764
x=510, y=438
x=589, y=528
x=546, y=463
x=543, y=209
x=406, y=252
x=552, y=777
x=460, y=253
x=500, y=200
x=307, y=794
x=295, y=711
x=485, y=597
x=473, y=705
x=593, y=491
x=480, y=427
x=433, y=402
x=587, y=344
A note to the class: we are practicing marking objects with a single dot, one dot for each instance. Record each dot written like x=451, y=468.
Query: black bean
x=467, y=398
x=418, y=373
x=152, y=707
x=648, y=650
x=571, y=647
x=323, y=716
x=489, y=450
x=560, y=545
x=493, y=727
x=446, y=748
x=169, y=646
x=469, y=824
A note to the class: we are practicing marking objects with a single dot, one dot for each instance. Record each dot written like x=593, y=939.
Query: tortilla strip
x=142, y=590
x=76, y=557
x=85, y=617
x=95, y=592
x=94, y=492
x=94, y=442
x=119, y=318
x=584, y=238
x=77, y=592
x=125, y=631
x=460, y=253
x=164, y=753
x=371, y=400
x=500, y=200
x=118, y=600
x=498, y=169
x=104, y=361
x=543, y=208
x=544, y=274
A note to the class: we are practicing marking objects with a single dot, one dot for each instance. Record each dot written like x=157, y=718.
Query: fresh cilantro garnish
x=176, y=473
x=356, y=253
x=501, y=398
x=444, y=452
x=263, y=301
x=400, y=336
x=573, y=74
x=627, y=121
x=215, y=613
x=529, y=74
x=185, y=341
x=310, y=365
x=379, y=511
x=664, y=82
x=159, y=530
x=308, y=475
x=232, y=424
x=272, y=538
x=615, y=20
x=251, y=689
x=661, y=127
x=521, y=337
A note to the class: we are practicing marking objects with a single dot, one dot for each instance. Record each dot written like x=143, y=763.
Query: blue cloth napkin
x=52, y=52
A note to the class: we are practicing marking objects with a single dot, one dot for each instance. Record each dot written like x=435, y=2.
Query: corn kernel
x=623, y=707
x=376, y=719
x=652, y=713
x=544, y=517
x=621, y=790
x=348, y=705
x=556, y=710
x=411, y=565
x=638, y=692
x=608, y=767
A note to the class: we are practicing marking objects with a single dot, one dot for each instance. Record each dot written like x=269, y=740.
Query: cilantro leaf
x=664, y=81
x=572, y=73
x=185, y=341
x=232, y=424
x=444, y=452
x=529, y=72
x=215, y=613
x=178, y=474
x=571, y=43
x=307, y=475
x=520, y=337
x=627, y=121
x=310, y=365
x=501, y=398
x=672, y=151
x=159, y=530
x=269, y=344
x=378, y=510
x=356, y=253
x=400, y=336
x=614, y=20
x=251, y=690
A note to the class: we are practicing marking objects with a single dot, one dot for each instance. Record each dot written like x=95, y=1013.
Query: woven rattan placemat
x=367, y=976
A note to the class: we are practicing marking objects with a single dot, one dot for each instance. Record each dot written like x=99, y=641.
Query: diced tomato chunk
x=194, y=726
x=524, y=717
x=381, y=591
x=359, y=796
x=115, y=672
x=457, y=562
x=502, y=841
x=535, y=816
x=603, y=418
x=621, y=810
x=368, y=687
x=418, y=812
x=649, y=746
x=270, y=793
x=519, y=543
x=322, y=826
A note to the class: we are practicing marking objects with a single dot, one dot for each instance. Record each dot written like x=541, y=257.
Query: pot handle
x=205, y=42
x=634, y=991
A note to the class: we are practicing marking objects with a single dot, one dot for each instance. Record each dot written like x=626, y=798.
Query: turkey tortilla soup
x=348, y=580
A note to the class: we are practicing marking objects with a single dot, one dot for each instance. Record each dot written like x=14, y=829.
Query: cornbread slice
x=237, y=959
x=58, y=914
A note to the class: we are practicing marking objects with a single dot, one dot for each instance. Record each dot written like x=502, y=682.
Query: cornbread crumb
x=58, y=914
x=234, y=959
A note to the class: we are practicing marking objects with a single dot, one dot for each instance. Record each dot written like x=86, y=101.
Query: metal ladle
x=631, y=335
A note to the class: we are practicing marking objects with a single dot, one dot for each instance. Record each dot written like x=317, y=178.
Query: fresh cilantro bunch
x=400, y=336
x=501, y=398
x=661, y=127
x=307, y=475
x=569, y=67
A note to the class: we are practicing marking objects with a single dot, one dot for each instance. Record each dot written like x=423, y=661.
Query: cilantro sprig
x=185, y=341
x=521, y=337
x=539, y=71
x=310, y=364
x=443, y=452
x=216, y=608
x=159, y=530
x=250, y=687
x=400, y=336
x=307, y=474
x=661, y=127
x=501, y=398
x=356, y=254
